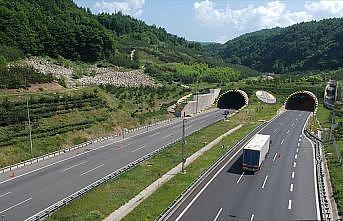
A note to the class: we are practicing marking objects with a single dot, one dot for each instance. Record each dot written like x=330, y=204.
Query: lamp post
x=28, y=115
x=183, y=145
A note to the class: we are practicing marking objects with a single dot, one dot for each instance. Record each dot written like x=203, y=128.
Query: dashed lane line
x=218, y=214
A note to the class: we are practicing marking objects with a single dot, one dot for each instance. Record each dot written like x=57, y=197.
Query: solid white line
x=289, y=204
x=215, y=175
x=5, y=194
x=291, y=188
x=94, y=149
x=294, y=164
x=264, y=182
x=240, y=177
x=282, y=141
x=220, y=210
x=274, y=157
x=18, y=204
x=84, y=173
x=296, y=156
x=138, y=149
x=314, y=171
x=293, y=173
x=252, y=217
x=74, y=166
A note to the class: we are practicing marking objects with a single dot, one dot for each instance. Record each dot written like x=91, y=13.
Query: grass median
x=101, y=201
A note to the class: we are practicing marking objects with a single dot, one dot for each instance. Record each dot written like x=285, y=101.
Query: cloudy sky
x=218, y=20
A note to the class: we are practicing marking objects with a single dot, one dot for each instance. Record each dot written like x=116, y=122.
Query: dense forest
x=60, y=28
x=315, y=45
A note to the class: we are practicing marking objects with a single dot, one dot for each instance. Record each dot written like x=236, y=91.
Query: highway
x=284, y=189
x=38, y=186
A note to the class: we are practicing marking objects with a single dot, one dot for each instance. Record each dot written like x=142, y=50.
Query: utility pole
x=183, y=145
x=197, y=93
x=28, y=116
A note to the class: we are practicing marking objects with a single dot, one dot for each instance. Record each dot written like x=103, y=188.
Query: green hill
x=315, y=45
x=60, y=28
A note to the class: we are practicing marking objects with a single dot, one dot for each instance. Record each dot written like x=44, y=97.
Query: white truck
x=255, y=152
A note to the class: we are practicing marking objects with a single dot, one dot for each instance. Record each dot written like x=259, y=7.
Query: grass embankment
x=103, y=200
x=335, y=168
x=72, y=117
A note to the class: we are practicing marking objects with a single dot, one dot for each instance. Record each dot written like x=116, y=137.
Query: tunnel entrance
x=302, y=100
x=233, y=99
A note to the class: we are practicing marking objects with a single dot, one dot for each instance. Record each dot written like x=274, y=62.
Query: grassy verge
x=104, y=199
x=336, y=170
x=71, y=117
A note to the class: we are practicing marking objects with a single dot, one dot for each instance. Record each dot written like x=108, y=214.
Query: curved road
x=284, y=189
x=39, y=186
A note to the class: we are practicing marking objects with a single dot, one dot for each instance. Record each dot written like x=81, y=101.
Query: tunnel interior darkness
x=301, y=101
x=231, y=100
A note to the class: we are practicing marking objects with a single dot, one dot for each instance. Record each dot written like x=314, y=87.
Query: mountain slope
x=305, y=46
x=60, y=28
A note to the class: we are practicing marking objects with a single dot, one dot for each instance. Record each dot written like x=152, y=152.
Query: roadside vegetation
x=103, y=200
x=334, y=147
x=67, y=118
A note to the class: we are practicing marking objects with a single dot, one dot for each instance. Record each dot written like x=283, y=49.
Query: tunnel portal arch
x=302, y=100
x=233, y=99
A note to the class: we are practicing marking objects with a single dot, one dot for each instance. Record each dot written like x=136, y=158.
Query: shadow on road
x=236, y=168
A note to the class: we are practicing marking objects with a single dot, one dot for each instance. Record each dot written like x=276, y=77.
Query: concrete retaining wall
x=200, y=102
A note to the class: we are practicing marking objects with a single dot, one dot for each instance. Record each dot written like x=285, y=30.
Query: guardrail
x=178, y=201
x=75, y=147
x=51, y=209
x=325, y=210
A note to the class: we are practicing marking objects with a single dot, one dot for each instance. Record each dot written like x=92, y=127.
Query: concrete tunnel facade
x=303, y=101
x=233, y=99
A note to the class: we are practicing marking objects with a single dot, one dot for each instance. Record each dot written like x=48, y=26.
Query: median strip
x=134, y=202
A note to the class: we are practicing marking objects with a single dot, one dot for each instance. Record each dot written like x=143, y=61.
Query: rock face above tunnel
x=302, y=100
x=233, y=99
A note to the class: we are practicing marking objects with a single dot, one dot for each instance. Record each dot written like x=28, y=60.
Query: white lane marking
x=274, y=157
x=167, y=136
x=74, y=166
x=299, y=140
x=218, y=214
x=84, y=173
x=240, y=177
x=294, y=164
x=296, y=156
x=138, y=149
x=289, y=204
x=287, y=132
x=291, y=188
x=282, y=141
x=18, y=204
x=252, y=217
x=215, y=175
x=5, y=194
x=264, y=182
x=301, y=135
x=293, y=124
x=314, y=170
x=298, y=144
x=293, y=173
x=94, y=149
x=297, y=150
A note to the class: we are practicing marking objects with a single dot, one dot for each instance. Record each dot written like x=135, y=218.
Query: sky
x=218, y=20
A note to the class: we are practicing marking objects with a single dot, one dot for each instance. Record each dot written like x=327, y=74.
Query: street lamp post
x=28, y=116
x=183, y=145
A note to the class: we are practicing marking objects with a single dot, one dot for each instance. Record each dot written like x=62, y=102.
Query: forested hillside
x=60, y=28
x=305, y=46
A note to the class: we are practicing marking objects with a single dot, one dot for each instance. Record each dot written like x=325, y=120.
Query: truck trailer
x=255, y=152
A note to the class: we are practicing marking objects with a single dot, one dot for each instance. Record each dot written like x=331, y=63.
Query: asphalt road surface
x=284, y=189
x=26, y=195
